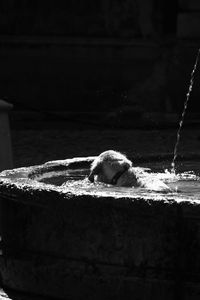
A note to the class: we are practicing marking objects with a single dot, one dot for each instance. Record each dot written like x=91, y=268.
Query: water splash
x=184, y=112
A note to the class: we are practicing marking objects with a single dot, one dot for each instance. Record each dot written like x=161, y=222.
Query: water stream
x=183, y=113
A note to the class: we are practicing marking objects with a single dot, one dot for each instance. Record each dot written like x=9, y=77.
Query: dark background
x=112, y=57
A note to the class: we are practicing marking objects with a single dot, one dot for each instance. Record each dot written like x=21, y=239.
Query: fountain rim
x=8, y=178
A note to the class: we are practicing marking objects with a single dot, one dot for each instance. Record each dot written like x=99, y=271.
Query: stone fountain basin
x=90, y=243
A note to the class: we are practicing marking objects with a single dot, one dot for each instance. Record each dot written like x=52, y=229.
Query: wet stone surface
x=110, y=244
x=103, y=240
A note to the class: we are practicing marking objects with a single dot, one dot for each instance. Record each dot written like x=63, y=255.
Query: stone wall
x=93, y=75
x=97, y=56
x=101, y=18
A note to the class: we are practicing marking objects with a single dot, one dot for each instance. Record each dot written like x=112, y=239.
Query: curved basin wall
x=96, y=246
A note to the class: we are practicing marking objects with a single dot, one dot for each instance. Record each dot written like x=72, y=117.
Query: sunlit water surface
x=185, y=183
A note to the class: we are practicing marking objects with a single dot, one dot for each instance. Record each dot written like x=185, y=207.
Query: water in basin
x=185, y=183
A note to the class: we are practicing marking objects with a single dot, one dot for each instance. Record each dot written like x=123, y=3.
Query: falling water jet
x=183, y=113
